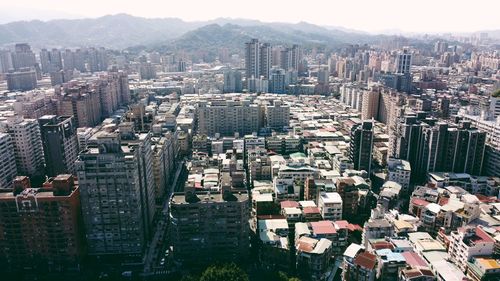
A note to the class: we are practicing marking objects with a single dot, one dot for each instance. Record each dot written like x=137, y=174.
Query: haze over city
x=383, y=16
x=249, y=140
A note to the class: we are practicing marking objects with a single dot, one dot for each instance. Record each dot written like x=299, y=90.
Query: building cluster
x=366, y=163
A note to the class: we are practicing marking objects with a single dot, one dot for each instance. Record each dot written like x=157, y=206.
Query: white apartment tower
x=7, y=161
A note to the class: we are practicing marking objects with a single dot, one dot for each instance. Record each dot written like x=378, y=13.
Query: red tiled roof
x=354, y=227
x=382, y=245
x=483, y=235
x=486, y=199
x=426, y=272
x=366, y=260
x=419, y=202
x=289, y=204
x=342, y=224
x=323, y=227
x=310, y=210
x=413, y=259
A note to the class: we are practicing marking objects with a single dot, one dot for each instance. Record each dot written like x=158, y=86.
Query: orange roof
x=366, y=260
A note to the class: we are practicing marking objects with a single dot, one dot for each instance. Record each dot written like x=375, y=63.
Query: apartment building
x=215, y=226
x=41, y=227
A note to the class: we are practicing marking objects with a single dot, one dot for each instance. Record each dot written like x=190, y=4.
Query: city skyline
x=428, y=17
x=148, y=149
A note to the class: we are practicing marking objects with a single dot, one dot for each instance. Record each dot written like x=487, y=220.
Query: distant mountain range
x=125, y=31
x=122, y=31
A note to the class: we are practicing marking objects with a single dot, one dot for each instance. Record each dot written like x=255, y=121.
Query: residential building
x=399, y=171
x=60, y=145
x=23, y=79
x=117, y=189
x=361, y=146
x=215, y=226
x=277, y=115
x=28, y=148
x=330, y=205
x=42, y=227
x=468, y=242
x=8, y=161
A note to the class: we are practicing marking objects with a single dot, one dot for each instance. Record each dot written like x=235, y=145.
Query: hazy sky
x=368, y=15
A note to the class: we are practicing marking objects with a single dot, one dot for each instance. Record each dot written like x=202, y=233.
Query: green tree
x=224, y=272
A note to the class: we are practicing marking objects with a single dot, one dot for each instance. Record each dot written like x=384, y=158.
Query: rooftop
x=323, y=227
x=366, y=260
x=331, y=197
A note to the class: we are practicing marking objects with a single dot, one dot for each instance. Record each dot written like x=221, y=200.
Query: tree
x=225, y=272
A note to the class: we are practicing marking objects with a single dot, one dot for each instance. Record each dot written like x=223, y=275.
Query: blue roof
x=390, y=256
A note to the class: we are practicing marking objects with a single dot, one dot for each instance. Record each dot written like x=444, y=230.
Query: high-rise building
x=286, y=59
x=97, y=59
x=265, y=60
x=403, y=62
x=258, y=59
x=362, y=145
x=258, y=85
x=23, y=79
x=41, y=227
x=5, y=61
x=79, y=60
x=8, y=169
x=409, y=143
x=23, y=57
x=147, y=71
x=277, y=115
x=323, y=76
x=228, y=117
x=215, y=226
x=232, y=81
x=28, y=148
x=82, y=102
x=116, y=180
x=277, y=81
x=464, y=150
x=346, y=188
x=68, y=58
x=51, y=60
x=296, y=57
x=60, y=77
x=370, y=103
x=432, y=146
x=60, y=145
x=252, y=59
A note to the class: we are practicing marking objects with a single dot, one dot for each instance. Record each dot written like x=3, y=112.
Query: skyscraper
x=8, y=168
x=60, y=145
x=403, y=62
x=115, y=175
x=464, y=150
x=277, y=81
x=5, y=61
x=23, y=56
x=362, y=145
x=258, y=59
x=51, y=61
x=82, y=102
x=252, y=59
x=232, y=81
x=28, y=148
x=265, y=60
x=286, y=59
x=24, y=79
